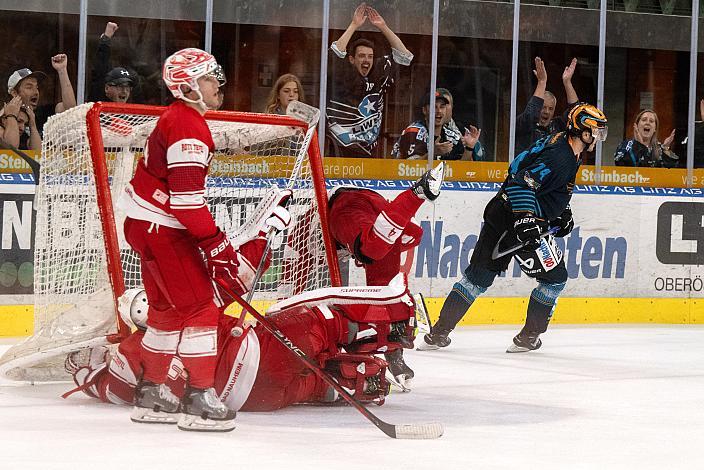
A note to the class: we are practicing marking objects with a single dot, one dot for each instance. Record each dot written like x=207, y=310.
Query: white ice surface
x=592, y=398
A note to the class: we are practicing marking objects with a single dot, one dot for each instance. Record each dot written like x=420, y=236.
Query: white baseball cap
x=20, y=75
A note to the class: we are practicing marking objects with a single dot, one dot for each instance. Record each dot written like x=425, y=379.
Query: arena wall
x=635, y=255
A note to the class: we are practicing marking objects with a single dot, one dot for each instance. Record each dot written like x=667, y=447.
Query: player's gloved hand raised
x=528, y=228
x=564, y=222
x=222, y=259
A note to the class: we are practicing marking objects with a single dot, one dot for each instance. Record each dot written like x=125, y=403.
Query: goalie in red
x=342, y=328
x=168, y=224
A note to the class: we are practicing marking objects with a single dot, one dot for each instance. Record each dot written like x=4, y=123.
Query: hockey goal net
x=82, y=262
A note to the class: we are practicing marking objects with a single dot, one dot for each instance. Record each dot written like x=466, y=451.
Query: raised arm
x=401, y=54
x=542, y=75
x=68, y=97
x=358, y=19
x=570, y=92
x=527, y=119
x=101, y=63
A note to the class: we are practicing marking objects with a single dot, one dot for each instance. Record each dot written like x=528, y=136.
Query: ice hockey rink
x=595, y=397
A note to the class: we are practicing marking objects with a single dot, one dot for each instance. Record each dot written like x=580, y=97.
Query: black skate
x=401, y=374
x=435, y=340
x=524, y=342
x=155, y=403
x=428, y=186
x=202, y=410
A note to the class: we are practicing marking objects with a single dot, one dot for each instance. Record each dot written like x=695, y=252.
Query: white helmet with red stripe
x=185, y=67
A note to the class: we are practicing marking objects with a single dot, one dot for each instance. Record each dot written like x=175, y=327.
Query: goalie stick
x=310, y=115
x=496, y=254
x=396, y=431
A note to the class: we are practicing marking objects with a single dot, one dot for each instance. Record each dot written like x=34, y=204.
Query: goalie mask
x=185, y=67
x=133, y=306
x=541, y=260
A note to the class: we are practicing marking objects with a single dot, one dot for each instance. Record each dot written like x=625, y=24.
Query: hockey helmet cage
x=132, y=307
x=586, y=117
x=185, y=67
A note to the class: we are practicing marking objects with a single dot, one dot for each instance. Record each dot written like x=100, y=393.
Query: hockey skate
x=155, y=403
x=428, y=186
x=398, y=373
x=202, y=410
x=524, y=342
x=435, y=340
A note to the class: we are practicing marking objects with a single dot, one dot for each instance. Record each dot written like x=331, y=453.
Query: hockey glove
x=222, y=259
x=279, y=219
x=564, y=222
x=528, y=228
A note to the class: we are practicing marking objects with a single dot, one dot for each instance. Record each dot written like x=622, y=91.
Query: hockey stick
x=496, y=254
x=310, y=115
x=402, y=431
x=33, y=164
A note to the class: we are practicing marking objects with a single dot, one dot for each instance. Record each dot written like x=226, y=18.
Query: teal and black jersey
x=541, y=178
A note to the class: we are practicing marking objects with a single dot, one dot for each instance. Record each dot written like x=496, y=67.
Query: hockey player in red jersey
x=340, y=327
x=168, y=224
x=375, y=232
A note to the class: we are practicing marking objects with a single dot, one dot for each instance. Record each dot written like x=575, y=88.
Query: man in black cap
x=413, y=143
x=109, y=84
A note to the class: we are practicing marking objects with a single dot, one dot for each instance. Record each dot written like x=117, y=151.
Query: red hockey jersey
x=168, y=187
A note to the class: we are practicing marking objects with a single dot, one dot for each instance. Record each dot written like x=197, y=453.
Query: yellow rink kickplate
x=18, y=320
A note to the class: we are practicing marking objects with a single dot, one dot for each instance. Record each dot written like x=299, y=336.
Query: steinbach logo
x=680, y=233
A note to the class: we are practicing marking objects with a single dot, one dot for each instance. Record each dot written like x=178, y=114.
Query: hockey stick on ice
x=496, y=254
x=311, y=116
x=396, y=431
x=33, y=164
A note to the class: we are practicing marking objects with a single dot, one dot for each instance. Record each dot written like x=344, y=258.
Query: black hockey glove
x=564, y=222
x=528, y=228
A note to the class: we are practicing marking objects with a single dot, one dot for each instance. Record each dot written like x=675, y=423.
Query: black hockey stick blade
x=403, y=431
x=496, y=254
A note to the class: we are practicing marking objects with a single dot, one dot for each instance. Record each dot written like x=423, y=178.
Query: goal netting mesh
x=75, y=286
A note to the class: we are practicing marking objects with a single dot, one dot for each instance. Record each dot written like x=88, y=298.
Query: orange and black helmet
x=586, y=117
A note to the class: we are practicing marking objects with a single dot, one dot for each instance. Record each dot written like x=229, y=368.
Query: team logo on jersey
x=370, y=105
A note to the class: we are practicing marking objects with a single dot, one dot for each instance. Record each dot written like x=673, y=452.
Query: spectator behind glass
x=457, y=133
x=356, y=105
x=286, y=89
x=25, y=84
x=15, y=117
x=413, y=143
x=109, y=84
x=537, y=120
x=644, y=149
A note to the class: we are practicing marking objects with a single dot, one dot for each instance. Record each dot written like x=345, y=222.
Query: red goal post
x=83, y=264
